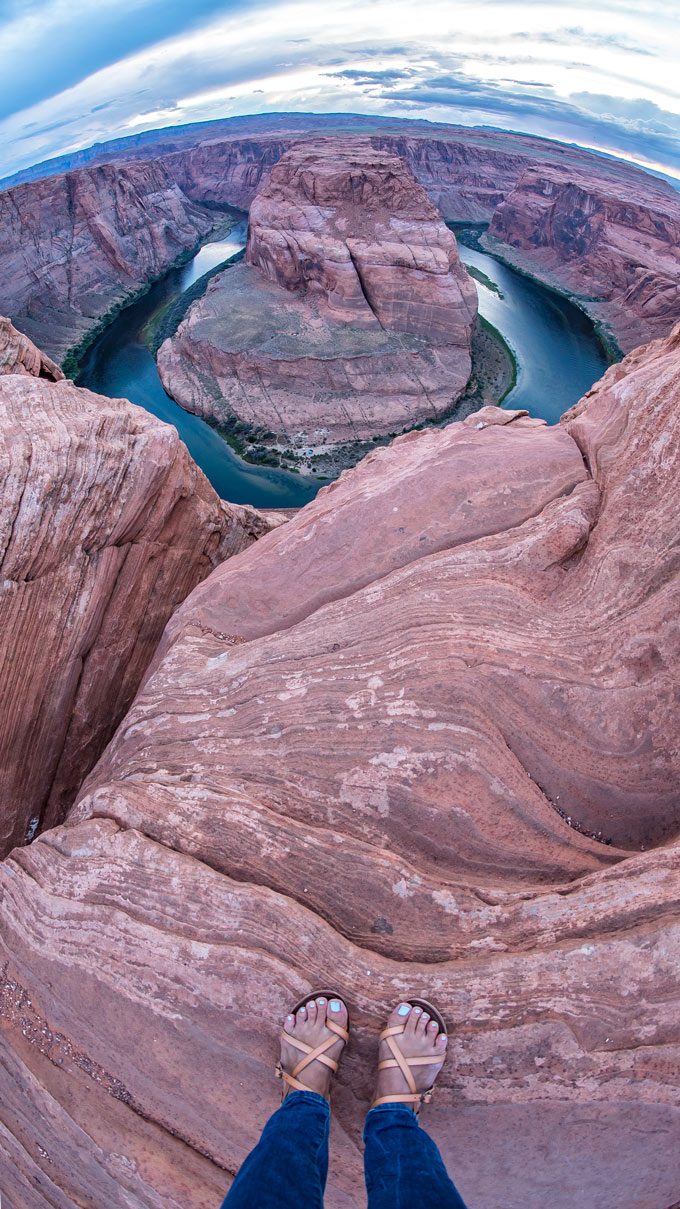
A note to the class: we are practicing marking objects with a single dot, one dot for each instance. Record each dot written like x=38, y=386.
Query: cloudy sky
x=605, y=74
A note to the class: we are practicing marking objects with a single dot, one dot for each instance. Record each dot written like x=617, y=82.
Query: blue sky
x=605, y=74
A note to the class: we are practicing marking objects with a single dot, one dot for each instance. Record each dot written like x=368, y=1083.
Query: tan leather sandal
x=389, y=1035
x=312, y=1054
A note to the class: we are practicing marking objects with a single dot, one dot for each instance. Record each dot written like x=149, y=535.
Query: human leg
x=289, y=1165
x=403, y=1166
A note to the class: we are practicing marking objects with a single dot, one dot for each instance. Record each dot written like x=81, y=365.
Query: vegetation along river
x=555, y=345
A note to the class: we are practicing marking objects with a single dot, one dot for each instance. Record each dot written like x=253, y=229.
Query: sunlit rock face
x=615, y=244
x=413, y=741
x=352, y=316
x=73, y=246
x=106, y=525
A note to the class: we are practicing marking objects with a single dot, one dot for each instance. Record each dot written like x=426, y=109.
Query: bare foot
x=309, y=1026
x=421, y=1038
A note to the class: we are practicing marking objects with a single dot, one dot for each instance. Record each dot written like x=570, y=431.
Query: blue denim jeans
x=288, y=1167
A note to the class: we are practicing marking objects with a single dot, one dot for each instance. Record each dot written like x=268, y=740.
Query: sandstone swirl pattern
x=352, y=316
x=106, y=525
x=350, y=760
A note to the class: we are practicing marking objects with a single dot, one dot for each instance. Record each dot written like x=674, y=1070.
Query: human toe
x=337, y=1012
x=413, y=1022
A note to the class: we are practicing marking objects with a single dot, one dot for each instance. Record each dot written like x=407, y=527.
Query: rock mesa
x=352, y=316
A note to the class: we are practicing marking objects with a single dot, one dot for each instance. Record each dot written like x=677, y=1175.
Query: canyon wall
x=352, y=316
x=604, y=231
x=422, y=739
x=106, y=525
x=616, y=247
x=226, y=172
x=76, y=244
x=465, y=179
x=73, y=246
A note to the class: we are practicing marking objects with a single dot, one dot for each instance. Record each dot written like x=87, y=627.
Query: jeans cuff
x=399, y=1109
x=306, y=1097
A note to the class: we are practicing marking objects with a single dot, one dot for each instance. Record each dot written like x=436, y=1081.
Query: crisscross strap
x=311, y=1054
x=414, y=1096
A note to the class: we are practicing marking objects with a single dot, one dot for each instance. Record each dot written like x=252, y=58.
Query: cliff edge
x=420, y=739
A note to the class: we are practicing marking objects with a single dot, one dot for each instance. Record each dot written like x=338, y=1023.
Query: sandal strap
x=294, y=1083
x=411, y=1061
x=422, y=1097
x=389, y=1036
x=312, y=1054
x=400, y=1060
x=302, y=1045
x=317, y=1055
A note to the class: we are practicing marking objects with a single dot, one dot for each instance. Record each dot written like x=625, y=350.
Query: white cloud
x=309, y=56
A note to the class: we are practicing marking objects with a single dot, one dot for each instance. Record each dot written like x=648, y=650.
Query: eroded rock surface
x=19, y=355
x=350, y=762
x=106, y=525
x=528, y=187
x=351, y=318
x=73, y=246
x=610, y=242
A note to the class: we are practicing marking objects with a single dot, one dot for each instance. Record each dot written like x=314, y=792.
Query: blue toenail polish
x=321, y=1002
x=404, y=1009
x=417, y=1011
x=335, y=1005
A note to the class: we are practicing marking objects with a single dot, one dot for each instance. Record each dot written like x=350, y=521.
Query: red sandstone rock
x=468, y=174
x=106, y=525
x=615, y=245
x=225, y=171
x=348, y=763
x=352, y=317
x=18, y=355
x=340, y=221
x=73, y=246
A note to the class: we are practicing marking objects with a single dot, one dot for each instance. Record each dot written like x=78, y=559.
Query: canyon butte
x=351, y=317
x=419, y=738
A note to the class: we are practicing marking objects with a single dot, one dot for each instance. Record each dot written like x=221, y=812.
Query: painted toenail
x=404, y=1009
x=432, y=1024
x=321, y=1002
x=417, y=1011
x=335, y=1005
x=289, y=1018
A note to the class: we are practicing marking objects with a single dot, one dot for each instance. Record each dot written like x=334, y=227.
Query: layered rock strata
x=529, y=188
x=628, y=217
x=106, y=525
x=352, y=316
x=614, y=246
x=73, y=246
x=19, y=355
x=371, y=750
